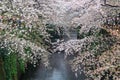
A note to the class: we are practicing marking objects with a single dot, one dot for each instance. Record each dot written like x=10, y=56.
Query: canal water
x=60, y=69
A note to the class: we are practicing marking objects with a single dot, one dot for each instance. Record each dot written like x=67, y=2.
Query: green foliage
x=27, y=50
x=93, y=32
x=102, y=32
x=52, y=30
x=93, y=45
x=2, y=32
x=50, y=26
x=36, y=37
x=10, y=65
x=21, y=64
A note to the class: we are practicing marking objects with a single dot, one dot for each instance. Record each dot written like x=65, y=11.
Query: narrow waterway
x=60, y=69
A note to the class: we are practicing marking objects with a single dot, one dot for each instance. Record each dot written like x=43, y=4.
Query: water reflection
x=60, y=71
x=57, y=75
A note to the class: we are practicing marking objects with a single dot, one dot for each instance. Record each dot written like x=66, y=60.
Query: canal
x=60, y=68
